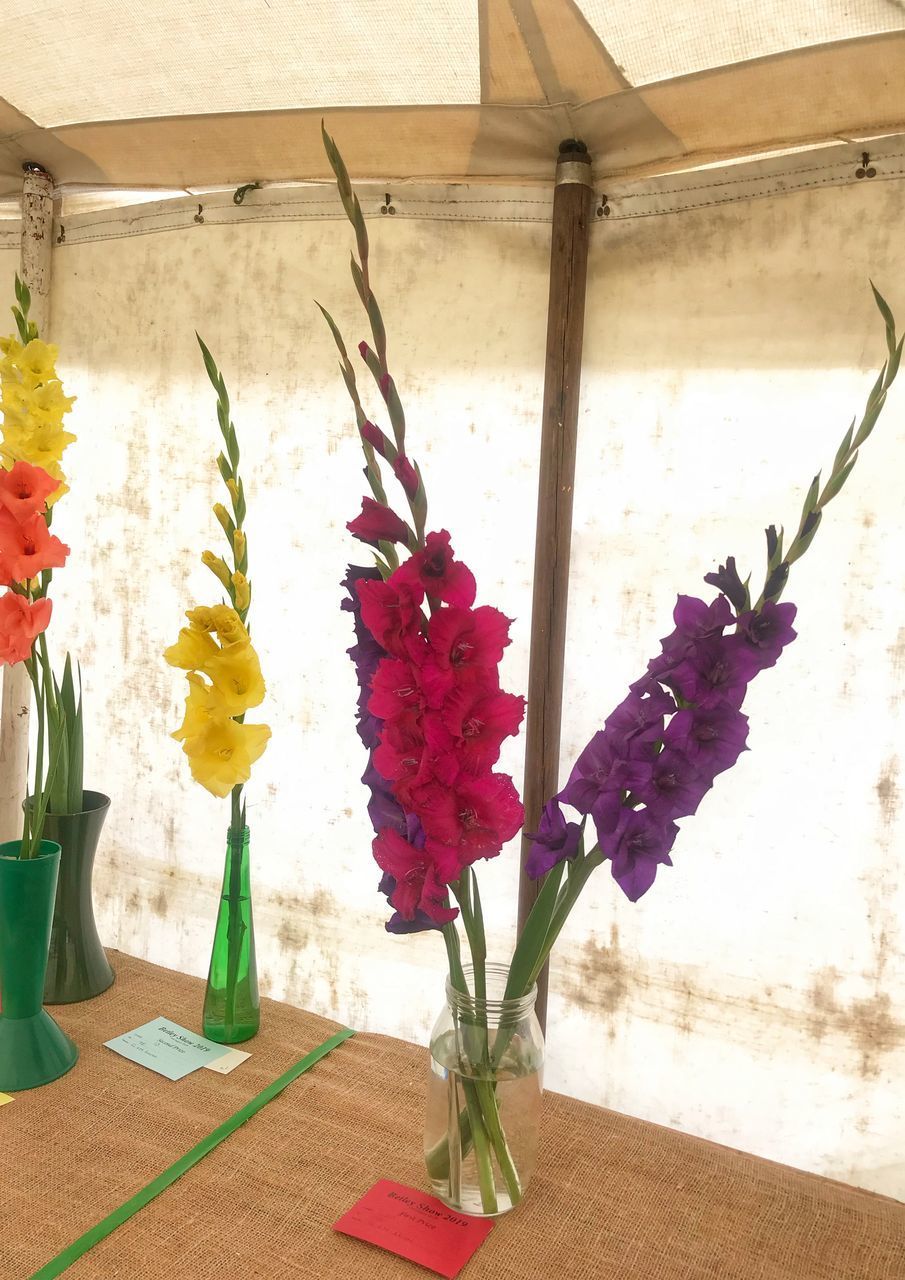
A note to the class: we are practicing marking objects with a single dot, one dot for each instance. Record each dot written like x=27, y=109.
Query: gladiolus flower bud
x=243, y=591
x=406, y=475
x=223, y=517
x=378, y=523
x=375, y=437
x=239, y=544
x=233, y=490
x=217, y=566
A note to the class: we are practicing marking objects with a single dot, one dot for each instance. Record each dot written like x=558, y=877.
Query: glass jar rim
x=494, y=1009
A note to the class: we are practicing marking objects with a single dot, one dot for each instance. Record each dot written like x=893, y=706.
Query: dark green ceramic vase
x=33, y=1049
x=77, y=967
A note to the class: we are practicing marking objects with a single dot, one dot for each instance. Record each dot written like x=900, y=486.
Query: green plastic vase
x=77, y=967
x=232, y=1008
x=33, y=1049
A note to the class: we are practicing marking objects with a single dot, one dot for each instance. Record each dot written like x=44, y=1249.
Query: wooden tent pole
x=562, y=383
x=37, y=239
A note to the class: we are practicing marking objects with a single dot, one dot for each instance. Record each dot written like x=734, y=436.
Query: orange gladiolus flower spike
x=24, y=490
x=28, y=548
x=20, y=623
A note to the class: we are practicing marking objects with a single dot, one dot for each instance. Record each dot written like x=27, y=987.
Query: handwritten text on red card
x=415, y=1226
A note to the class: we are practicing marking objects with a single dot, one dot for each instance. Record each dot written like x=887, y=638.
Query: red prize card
x=416, y=1226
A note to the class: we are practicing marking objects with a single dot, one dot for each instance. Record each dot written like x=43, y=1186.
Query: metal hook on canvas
x=240, y=192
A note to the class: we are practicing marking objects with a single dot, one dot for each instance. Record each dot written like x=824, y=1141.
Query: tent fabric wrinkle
x=439, y=91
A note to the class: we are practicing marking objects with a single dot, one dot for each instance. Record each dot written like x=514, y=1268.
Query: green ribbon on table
x=74, y=1251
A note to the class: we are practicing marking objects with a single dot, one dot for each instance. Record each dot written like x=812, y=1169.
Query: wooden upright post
x=562, y=382
x=37, y=239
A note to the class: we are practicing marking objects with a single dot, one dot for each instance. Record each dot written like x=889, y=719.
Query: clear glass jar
x=484, y=1097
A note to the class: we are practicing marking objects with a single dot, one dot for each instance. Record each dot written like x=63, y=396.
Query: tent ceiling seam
x=651, y=200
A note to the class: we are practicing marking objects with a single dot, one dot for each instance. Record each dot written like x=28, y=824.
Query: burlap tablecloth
x=613, y=1197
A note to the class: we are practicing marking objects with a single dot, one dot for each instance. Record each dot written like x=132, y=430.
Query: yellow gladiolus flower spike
x=243, y=590
x=37, y=361
x=221, y=757
x=44, y=400
x=224, y=519
x=203, y=706
x=201, y=618
x=192, y=651
x=228, y=625
x=12, y=349
x=49, y=398
x=236, y=675
x=36, y=440
x=217, y=566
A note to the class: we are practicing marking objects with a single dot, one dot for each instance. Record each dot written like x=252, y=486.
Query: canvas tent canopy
x=725, y=351
x=182, y=96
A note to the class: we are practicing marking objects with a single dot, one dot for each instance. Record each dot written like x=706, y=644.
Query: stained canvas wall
x=756, y=995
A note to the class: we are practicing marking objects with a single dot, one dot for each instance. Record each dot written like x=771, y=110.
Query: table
x=614, y=1197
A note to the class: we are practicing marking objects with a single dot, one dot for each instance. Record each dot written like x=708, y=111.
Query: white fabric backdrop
x=756, y=994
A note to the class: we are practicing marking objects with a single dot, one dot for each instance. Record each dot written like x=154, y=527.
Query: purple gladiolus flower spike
x=713, y=738
x=637, y=847
x=384, y=809
x=635, y=728
x=355, y=573
x=366, y=654
x=600, y=775
x=676, y=787
x=769, y=631
x=717, y=670
x=554, y=840
x=696, y=620
x=589, y=774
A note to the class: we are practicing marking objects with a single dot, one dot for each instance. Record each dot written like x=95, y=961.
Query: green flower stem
x=235, y=929
x=846, y=456
x=546, y=921
x=33, y=820
x=490, y=1110
x=577, y=879
x=228, y=465
x=480, y=1124
x=486, y=1179
x=376, y=360
x=467, y=895
x=30, y=827
x=478, y=1132
x=59, y=723
x=533, y=934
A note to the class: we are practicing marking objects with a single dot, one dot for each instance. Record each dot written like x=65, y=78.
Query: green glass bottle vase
x=232, y=1009
x=33, y=1049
